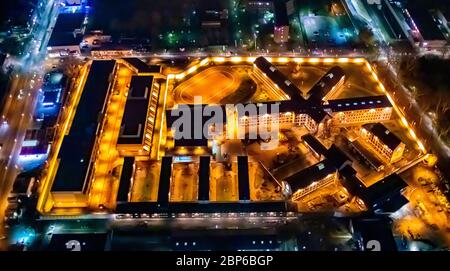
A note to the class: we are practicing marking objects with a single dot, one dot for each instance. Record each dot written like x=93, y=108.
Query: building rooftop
x=76, y=148
x=309, y=175
x=203, y=180
x=125, y=179
x=279, y=79
x=424, y=21
x=134, y=118
x=383, y=190
x=378, y=229
x=314, y=144
x=368, y=155
x=358, y=103
x=63, y=33
x=337, y=157
x=243, y=178
x=297, y=103
x=141, y=66
x=202, y=207
x=383, y=134
x=326, y=83
x=281, y=16
x=191, y=139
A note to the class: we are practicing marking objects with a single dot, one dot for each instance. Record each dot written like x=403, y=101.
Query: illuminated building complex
x=139, y=132
x=353, y=111
x=313, y=110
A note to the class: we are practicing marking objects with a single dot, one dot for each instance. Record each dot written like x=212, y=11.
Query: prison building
x=139, y=67
x=359, y=110
x=309, y=179
x=192, y=135
x=77, y=153
x=136, y=129
x=243, y=178
x=204, y=176
x=164, y=181
x=386, y=144
x=126, y=178
x=316, y=147
x=370, y=158
x=268, y=73
x=327, y=85
x=284, y=119
x=319, y=175
x=385, y=195
x=290, y=113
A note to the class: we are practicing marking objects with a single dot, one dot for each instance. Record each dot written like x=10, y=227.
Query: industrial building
x=67, y=34
x=136, y=130
x=281, y=28
x=77, y=150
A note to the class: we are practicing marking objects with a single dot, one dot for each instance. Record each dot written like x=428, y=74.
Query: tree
x=367, y=37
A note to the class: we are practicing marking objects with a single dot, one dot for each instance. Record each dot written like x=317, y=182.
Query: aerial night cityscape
x=225, y=125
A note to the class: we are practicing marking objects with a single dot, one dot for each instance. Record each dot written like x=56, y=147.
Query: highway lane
x=19, y=118
x=18, y=112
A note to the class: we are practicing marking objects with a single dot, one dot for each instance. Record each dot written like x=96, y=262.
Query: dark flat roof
x=69, y=21
x=337, y=157
x=63, y=32
x=383, y=190
x=202, y=207
x=164, y=180
x=195, y=125
x=394, y=203
x=141, y=66
x=132, y=128
x=424, y=21
x=281, y=17
x=64, y=39
x=350, y=181
x=368, y=155
x=358, y=103
x=383, y=194
x=204, y=174
x=383, y=134
x=243, y=179
x=125, y=179
x=314, y=144
x=326, y=83
x=51, y=97
x=279, y=78
x=311, y=174
x=76, y=149
x=297, y=103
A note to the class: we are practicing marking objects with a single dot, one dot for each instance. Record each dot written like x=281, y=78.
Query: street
x=21, y=104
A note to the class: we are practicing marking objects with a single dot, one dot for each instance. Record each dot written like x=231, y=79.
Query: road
x=18, y=111
x=18, y=114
